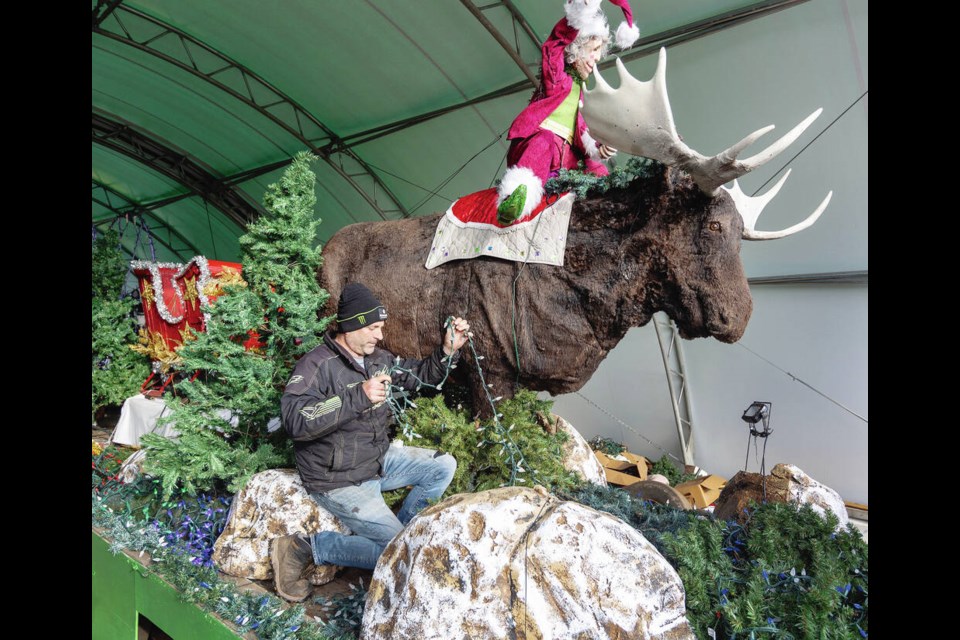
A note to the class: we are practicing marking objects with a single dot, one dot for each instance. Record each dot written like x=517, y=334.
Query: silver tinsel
x=157, y=281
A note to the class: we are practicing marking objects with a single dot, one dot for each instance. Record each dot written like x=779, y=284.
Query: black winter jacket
x=339, y=437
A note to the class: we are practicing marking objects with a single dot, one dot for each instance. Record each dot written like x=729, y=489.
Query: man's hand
x=606, y=152
x=376, y=388
x=456, y=335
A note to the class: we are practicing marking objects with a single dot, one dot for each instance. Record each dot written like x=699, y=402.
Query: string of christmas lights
x=495, y=434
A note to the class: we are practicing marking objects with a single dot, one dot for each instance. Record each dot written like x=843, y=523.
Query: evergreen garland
x=203, y=460
x=482, y=462
x=117, y=372
x=179, y=534
x=583, y=184
x=345, y=611
x=607, y=446
x=222, y=415
x=785, y=572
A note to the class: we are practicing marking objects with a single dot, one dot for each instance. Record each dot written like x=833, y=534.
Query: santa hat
x=586, y=17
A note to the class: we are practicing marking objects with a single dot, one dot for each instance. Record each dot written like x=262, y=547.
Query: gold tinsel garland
x=228, y=276
x=151, y=344
x=190, y=294
x=147, y=296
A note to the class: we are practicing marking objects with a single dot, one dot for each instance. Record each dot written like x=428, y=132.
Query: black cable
x=433, y=192
x=210, y=227
x=455, y=173
x=777, y=172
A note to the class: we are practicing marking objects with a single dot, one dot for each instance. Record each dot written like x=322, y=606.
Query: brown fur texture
x=659, y=244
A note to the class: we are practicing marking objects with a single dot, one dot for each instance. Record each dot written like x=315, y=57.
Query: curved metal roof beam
x=513, y=50
x=277, y=101
x=122, y=248
x=130, y=207
x=123, y=138
x=102, y=9
x=108, y=221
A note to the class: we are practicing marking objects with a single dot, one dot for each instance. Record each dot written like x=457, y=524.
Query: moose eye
x=714, y=226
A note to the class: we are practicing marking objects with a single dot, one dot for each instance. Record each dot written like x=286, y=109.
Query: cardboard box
x=623, y=472
x=704, y=491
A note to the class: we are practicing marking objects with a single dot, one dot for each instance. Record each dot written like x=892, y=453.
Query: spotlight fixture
x=757, y=412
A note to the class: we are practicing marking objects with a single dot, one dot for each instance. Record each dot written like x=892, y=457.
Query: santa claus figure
x=550, y=134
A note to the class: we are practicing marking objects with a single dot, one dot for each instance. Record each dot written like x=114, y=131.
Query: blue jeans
x=363, y=510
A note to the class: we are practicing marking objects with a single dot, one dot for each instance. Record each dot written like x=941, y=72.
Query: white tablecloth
x=139, y=415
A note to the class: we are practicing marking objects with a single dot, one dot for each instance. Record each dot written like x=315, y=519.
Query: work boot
x=510, y=209
x=321, y=574
x=291, y=557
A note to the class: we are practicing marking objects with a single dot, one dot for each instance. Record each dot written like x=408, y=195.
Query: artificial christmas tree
x=117, y=371
x=278, y=300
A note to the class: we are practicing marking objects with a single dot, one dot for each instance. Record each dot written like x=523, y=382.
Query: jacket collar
x=329, y=338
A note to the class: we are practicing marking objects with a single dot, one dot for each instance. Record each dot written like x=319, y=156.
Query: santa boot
x=519, y=193
x=510, y=209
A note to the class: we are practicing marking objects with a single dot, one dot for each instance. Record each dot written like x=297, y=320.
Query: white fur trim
x=578, y=10
x=513, y=177
x=626, y=35
x=590, y=146
x=586, y=17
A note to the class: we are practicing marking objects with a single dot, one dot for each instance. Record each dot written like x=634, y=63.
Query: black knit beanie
x=358, y=308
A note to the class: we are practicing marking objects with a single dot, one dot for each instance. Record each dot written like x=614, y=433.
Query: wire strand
x=456, y=172
x=796, y=379
x=210, y=227
x=652, y=443
x=777, y=172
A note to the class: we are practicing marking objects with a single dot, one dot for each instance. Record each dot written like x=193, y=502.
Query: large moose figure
x=669, y=241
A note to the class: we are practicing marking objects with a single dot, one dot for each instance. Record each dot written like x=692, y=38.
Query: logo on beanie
x=362, y=319
x=382, y=312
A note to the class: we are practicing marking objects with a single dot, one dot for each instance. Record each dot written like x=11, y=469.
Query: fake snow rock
x=519, y=563
x=272, y=504
x=578, y=456
x=805, y=490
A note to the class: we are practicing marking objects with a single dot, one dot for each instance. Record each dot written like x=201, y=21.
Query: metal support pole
x=673, y=364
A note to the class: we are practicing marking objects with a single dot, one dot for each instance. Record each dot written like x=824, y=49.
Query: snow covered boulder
x=272, y=504
x=578, y=456
x=803, y=489
x=786, y=483
x=519, y=563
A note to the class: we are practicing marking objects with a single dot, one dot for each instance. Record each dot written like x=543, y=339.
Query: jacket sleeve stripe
x=321, y=408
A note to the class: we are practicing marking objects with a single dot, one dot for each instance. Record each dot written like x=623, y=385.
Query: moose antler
x=750, y=207
x=637, y=118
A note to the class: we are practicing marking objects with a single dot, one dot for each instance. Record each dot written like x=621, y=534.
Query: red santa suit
x=537, y=151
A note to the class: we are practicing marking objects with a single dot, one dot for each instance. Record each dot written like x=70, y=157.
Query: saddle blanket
x=470, y=229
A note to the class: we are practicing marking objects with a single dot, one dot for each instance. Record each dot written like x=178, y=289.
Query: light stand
x=757, y=412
